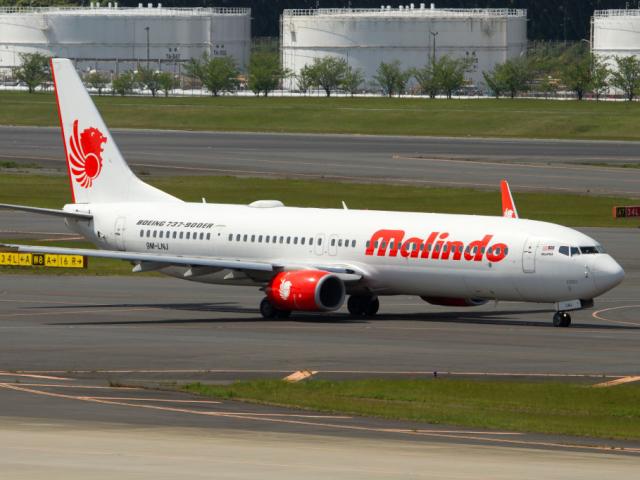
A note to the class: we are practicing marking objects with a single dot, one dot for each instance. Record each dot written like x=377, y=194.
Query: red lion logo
x=86, y=154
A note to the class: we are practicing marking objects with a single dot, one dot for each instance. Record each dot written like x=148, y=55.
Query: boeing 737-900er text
x=310, y=259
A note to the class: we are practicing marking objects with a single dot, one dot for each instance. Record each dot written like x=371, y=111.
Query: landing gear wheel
x=356, y=305
x=561, y=319
x=360, y=305
x=283, y=313
x=372, y=307
x=267, y=310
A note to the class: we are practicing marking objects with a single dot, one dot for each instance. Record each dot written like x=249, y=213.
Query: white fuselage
x=481, y=257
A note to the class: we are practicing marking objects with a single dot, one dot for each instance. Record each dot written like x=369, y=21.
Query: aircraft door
x=333, y=245
x=319, y=244
x=119, y=231
x=529, y=255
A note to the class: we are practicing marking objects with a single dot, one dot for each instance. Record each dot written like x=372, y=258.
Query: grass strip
x=543, y=407
x=566, y=209
x=390, y=116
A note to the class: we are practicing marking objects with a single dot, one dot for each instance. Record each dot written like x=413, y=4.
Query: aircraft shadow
x=500, y=317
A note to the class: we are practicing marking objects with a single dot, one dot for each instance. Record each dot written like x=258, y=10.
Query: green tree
x=426, y=80
x=352, y=80
x=626, y=76
x=265, y=72
x=166, y=82
x=448, y=73
x=600, y=76
x=124, y=83
x=97, y=80
x=495, y=81
x=575, y=70
x=391, y=78
x=33, y=71
x=149, y=79
x=306, y=78
x=217, y=74
x=328, y=73
x=513, y=76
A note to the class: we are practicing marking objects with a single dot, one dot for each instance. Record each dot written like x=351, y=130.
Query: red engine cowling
x=308, y=290
x=455, y=302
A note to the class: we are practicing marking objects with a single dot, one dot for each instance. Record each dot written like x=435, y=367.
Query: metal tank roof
x=411, y=10
x=114, y=9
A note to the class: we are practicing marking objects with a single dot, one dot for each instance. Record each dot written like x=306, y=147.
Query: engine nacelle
x=307, y=290
x=455, y=302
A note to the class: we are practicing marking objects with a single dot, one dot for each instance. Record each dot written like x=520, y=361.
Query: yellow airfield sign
x=16, y=259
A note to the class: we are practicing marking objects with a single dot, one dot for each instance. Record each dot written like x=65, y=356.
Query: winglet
x=508, y=205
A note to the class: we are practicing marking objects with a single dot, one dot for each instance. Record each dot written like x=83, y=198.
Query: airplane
x=311, y=259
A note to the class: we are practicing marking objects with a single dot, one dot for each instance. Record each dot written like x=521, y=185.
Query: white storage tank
x=107, y=37
x=615, y=33
x=410, y=34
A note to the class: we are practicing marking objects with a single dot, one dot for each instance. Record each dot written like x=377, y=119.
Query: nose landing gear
x=561, y=319
x=363, y=305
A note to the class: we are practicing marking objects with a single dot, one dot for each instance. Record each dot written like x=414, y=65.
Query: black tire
x=283, y=313
x=356, y=305
x=372, y=307
x=267, y=310
x=566, y=320
x=557, y=319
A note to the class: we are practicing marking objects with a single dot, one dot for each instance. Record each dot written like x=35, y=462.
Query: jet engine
x=455, y=302
x=308, y=290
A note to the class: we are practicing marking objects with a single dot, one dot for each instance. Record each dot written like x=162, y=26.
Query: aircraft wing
x=155, y=261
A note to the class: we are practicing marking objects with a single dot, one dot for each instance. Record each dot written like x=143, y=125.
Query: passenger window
x=188, y=236
x=155, y=234
x=310, y=240
x=340, y=242
x=333, y=242
x=266, y=239
x=259, y=238
x=231, y=237
x=148, y=233
x=302, y=240
x=208, y=236
x=175, y=234
x=319, y=241
x=142, y=233
x=253, y=238
x=295, y=240
x=281, y=239
x=288, y=240
x=237, y=238
x=201, y=236
x=368, y=243
x=181, y=234
x=353, y=243
x=161, y=234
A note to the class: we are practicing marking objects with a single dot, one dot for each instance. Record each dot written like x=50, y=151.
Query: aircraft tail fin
x=97, y=170
x=508, y=205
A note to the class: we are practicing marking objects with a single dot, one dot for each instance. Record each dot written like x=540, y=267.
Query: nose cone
x=606, y=273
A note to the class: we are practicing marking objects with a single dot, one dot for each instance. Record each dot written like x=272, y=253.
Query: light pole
x=433, y=55
x=147, y=29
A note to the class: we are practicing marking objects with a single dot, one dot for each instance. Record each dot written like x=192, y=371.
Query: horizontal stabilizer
x=46, y=211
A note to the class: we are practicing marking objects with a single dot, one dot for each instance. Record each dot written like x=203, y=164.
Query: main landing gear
x=363, y=305
x=268, y=310
x=561, y=319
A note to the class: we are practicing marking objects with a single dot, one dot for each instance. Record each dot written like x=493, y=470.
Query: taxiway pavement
x=534, y=165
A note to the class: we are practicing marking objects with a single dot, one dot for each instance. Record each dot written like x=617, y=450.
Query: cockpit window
x=564, y=250
x=575, y=251
x=589, y=250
